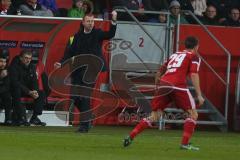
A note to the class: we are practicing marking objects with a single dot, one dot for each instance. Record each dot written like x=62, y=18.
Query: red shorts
x=181, y=97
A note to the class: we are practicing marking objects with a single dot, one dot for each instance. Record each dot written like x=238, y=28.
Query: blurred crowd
x=210, y=12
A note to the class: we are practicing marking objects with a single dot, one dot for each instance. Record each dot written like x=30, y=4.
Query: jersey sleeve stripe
x=198, y=63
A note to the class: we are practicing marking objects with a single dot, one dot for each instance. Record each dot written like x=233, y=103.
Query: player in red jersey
x=172, y=75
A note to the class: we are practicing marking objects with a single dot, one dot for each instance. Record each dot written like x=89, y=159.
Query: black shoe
x=127, y=141
x=21, y=123
x=82, y=130
x=36, y=122
x=8, y=122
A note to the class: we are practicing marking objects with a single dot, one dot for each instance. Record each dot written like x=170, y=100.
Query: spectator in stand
x=232, y=19
x=223, y=6
x=15, y=6
x=155, y=5
x=24, y=83
x=175, y=10
x=101, y=8
x=186, y=5
x=49, y=4
x=4, y=6
x=196, y=6
x=210, y=16
x=5, y=94
x=88, y=6
x=80, y=8
x=131, y=5
x=32, y=8
x=199, y=7
x=162, y=18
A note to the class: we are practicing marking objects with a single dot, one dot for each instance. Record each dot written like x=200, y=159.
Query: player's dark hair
x=191, y=42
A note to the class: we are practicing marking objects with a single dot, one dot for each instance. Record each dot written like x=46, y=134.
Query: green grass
x=105, y=143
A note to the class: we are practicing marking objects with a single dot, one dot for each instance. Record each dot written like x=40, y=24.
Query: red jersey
x=179, y=66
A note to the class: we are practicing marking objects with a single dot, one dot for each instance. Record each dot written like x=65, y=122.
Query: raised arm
x=111, y=33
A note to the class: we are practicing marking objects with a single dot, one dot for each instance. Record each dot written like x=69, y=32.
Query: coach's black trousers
x=82, y=102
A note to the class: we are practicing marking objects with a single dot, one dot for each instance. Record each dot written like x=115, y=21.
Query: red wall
x=214, y=55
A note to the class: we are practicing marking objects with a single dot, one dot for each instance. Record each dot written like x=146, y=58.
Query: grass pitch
x=105, y=143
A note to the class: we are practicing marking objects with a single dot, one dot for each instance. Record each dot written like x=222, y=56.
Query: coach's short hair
x=88, y=15
x=191, y=42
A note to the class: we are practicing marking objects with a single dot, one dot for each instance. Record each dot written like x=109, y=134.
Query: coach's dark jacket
x=89, y=43
x=23, y=76
x=86, y=43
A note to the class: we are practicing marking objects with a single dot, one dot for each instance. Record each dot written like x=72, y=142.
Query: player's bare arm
x=159, y=74
x=196, y=84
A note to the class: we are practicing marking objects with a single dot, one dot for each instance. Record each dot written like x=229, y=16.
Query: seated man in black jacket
x=5, y=95
x=25, y=84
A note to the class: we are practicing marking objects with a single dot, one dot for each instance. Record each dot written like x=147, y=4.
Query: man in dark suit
x=88, y=41
x=5, y=95
x=25, y=84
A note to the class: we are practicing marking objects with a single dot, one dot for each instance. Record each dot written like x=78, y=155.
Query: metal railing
x=45, y=17
x=237, y=91
x=236, y=111
x=130, y=13
x=228, y=54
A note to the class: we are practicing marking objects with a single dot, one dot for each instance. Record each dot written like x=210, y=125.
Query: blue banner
x=8, y=44
x=35, y=45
